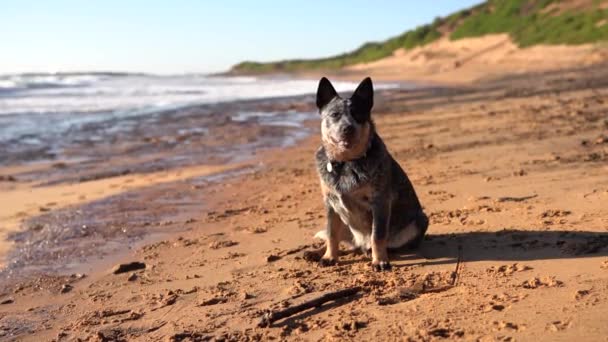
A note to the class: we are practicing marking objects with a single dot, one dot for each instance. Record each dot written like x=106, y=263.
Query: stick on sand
x=271, y=316
x=458, y=266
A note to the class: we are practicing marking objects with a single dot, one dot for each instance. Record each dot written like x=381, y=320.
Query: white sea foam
x=29, y=98
x=82, y=93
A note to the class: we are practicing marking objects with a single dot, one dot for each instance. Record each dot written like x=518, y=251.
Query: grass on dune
x=366, y=53
x=528, y=22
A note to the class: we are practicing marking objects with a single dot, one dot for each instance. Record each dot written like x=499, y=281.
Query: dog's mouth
x=343, y=143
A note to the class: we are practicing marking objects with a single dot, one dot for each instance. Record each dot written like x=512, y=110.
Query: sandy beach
x=512, y=172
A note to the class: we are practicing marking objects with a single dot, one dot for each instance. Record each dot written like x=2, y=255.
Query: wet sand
x=54, y=189
x=512, y=172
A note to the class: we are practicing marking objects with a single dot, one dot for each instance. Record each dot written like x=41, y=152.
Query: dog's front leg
x=335, y=230
x=381, y=213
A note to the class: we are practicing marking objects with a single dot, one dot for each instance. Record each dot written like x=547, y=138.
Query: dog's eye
x=334, y=114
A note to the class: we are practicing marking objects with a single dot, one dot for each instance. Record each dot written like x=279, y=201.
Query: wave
x=43, y=81
x=53, y=104
x=113, y=93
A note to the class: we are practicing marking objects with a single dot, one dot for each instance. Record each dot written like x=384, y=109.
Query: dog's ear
x=363, y=97
x=325, y=93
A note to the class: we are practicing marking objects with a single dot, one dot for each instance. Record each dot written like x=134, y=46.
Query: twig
x=437, y=289
x=457, y=270
x=516, y=199
x=156, y=327
x=589, y=194
x=281, y=254
x=110, y=313
x=271, y=317
x=293, y=250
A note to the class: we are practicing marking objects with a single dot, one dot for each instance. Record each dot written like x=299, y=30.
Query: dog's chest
x=353, y=207
x=347, y=189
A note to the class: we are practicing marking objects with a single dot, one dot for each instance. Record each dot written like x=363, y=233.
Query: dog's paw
x=381, y=266
x=327, y=262
x=311, y=256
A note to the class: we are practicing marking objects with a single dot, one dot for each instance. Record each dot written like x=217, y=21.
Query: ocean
x=35, y=104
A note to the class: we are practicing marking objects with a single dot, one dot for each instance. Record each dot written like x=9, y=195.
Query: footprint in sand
x=257, y=230
x=559, y=325
x=507, y=270
x=500, y=302
x=233, y=255
x=222, y=244
x=550, y=217
x=441, y=195
x=536, y=282
x=580, y=294
x=493, y=307
x=551, y=213
x=502, y=325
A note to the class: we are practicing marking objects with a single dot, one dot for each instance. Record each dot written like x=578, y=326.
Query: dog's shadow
x=505, y=245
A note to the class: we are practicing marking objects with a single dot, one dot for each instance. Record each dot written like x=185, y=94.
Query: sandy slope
x=513, y=175
x=472, y=59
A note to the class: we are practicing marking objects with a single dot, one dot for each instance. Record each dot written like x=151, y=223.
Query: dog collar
x=330, y=164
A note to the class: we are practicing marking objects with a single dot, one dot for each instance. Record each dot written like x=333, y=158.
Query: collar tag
x=330, y=168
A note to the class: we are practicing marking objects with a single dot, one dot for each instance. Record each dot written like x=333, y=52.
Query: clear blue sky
x=195, y=36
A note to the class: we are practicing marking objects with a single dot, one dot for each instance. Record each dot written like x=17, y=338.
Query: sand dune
x=472, y=59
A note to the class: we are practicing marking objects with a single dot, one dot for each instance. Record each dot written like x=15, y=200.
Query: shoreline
x=503, y=197
x=87, y=172
x=42, y=188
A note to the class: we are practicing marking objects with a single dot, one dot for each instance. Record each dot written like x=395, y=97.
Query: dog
x=370, y=202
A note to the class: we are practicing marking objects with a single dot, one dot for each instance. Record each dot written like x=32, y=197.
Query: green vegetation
x=536, y=22
x=366, y=53
x=528, y=22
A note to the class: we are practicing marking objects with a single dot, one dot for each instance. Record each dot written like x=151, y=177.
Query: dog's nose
x=347, y=131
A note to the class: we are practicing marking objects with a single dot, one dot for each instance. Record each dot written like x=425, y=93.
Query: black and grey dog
x=370, y=202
